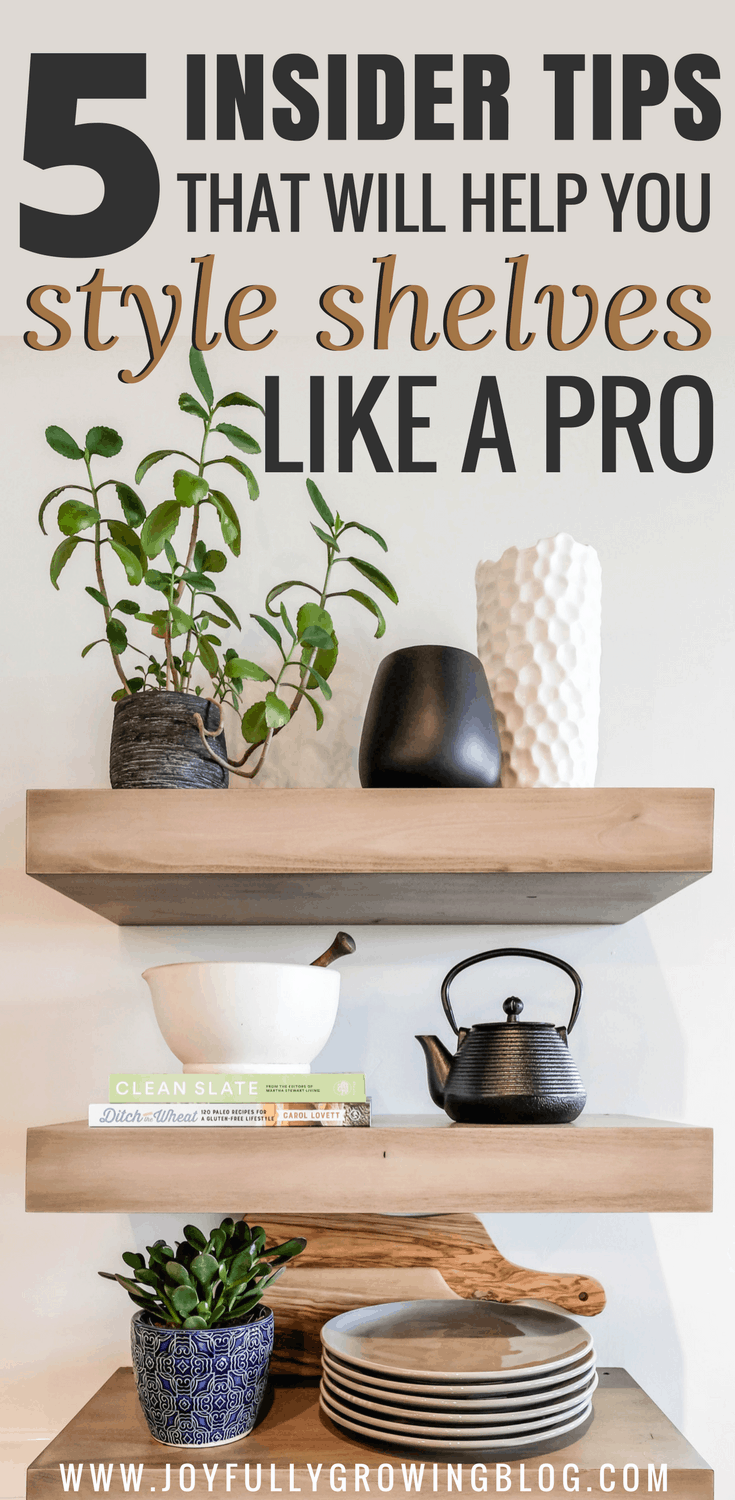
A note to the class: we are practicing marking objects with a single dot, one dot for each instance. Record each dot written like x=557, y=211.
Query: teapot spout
x=438, y=1063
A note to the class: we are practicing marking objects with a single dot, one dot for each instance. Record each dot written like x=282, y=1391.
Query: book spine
x=246, y=1116
x=151, y=1089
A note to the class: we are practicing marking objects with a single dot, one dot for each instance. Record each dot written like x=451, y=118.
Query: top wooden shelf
x=440, y=856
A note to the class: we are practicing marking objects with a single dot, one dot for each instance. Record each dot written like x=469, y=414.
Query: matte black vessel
x=507, y=1073
x=430, y=721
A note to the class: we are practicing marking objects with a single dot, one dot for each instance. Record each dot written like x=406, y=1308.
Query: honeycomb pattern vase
x=201, y=1387
x=538, y=638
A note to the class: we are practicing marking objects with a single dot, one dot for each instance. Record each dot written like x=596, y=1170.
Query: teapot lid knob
x=512, y=1007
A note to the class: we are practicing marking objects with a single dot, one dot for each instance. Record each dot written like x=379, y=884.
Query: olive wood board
x=357, y=1260
x=434, y=855
x=626, y=1428
x=400, y=1164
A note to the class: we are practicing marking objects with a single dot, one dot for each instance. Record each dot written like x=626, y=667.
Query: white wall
x=656, y=1034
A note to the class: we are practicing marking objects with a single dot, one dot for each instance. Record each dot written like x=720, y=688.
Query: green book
x=237, y=1088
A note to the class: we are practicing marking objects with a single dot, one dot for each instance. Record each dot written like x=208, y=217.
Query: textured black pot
x=430, y=721
x=155, y=742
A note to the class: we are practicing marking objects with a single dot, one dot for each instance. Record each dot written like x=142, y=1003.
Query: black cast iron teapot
x=507, y=1073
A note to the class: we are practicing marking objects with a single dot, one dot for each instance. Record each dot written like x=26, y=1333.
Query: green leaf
x=156, y=580
x=178, y=1273
x=75, y=515
x=323, y=684
x=236, y=463
x=270, y=630
x=195, y=1322
x=61, y=557
x=192, y=1234
x=277, y=713
x=91, y=646
x=189, y=489
x=208, y=656
x=131, y=564
x=117, y=635
x=319, y=712
x=281, y=588
x=229, y=524
x=218, y=620
x=159, y=526
x=368, y=531
x=201, y=376
x=315, y=636
x=324, y=661
x=171, y=557
x=288, y=1249
x=200, y=552
x=127, y=607
x=131, y=1258
x=319, y=503
x=374, y=576
x=287, y=622
x=184, y=1299
x=192, y=407
x=239, y=666
x=155, y=458
x=226, y=609
x=132, y=506
x=62, y=443
x=212, y=562
x=103, y=441
x=254, y=727
x=204, y=1267
x=237, y=437
x=181, y=622
x=121, y=532
x=313, y=614
x=236, y=398
x=52, y=496
x=368, y=603
x=323, y=537
x=96, y=595
x=199, y=582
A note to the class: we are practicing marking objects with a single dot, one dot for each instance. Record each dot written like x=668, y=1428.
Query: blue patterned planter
x=199, y=1387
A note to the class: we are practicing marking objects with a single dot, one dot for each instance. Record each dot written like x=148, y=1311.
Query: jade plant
x=187, y=593
x=214, y=1282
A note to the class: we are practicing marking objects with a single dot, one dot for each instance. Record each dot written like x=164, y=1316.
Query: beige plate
x=482, y=1445
x=505, y=1394
x=433, y=1340
x=492, y=1429
x=450, y=1416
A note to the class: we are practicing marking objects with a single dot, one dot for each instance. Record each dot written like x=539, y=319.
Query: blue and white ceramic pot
x=200, y=1387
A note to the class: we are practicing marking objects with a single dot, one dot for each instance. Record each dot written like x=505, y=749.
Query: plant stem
x=193, y=537
x=98, y=570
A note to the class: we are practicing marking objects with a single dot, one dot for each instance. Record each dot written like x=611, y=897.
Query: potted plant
x=202, y=1337
x=167, y=728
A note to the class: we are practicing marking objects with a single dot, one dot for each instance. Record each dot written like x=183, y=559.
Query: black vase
x=155, y=742
x=430, y=721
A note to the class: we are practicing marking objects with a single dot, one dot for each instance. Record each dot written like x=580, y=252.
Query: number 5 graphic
x=53, y=139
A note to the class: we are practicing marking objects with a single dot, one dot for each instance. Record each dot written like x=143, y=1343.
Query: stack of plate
x=457, y=1375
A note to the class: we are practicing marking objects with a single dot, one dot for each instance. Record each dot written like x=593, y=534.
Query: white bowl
x=244, y=1018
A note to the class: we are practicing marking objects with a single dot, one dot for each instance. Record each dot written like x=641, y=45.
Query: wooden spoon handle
x=342, y=945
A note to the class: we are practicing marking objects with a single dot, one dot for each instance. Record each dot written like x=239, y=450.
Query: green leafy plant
x=308, y=647
x=213, y=1282
x=190, y=605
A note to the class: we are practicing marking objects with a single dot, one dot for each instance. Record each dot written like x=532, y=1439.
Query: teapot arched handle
x=479, y=958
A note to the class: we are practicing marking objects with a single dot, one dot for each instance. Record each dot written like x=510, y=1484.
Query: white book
x=247, y=1115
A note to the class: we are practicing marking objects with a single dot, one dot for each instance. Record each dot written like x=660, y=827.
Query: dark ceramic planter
x=155, y=742
x=430, y=721
x=201, y=1387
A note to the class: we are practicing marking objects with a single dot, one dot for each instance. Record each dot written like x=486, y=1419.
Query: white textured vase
x=538, y=638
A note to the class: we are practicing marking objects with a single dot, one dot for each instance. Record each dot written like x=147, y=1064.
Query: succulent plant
x=206, y=1283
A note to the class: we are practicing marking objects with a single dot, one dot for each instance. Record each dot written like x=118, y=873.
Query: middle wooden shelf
x=401, y=1164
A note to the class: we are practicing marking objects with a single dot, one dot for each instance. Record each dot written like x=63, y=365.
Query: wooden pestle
x=342, y=945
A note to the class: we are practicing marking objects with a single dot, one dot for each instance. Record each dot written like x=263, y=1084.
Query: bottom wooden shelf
x=626, y=1429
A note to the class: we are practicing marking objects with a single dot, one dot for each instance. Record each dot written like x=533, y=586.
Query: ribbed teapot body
x=522, y=1074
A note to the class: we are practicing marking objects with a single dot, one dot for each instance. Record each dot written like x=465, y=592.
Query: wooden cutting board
x=356, y=1260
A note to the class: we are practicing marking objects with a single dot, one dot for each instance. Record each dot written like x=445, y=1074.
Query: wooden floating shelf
x=626, y=1428
x=401, y=1164
x=439, y=856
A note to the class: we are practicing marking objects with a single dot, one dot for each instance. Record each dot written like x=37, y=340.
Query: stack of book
x=249, y=1099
